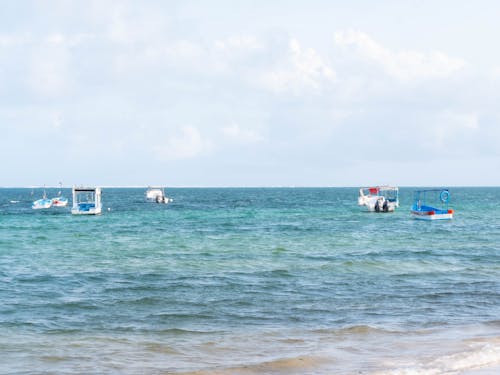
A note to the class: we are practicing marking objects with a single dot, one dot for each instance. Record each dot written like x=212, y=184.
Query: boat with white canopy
x=86, y=201
x=379, y=198
x=157, y=195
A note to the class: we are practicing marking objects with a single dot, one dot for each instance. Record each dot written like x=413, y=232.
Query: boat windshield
x=85, y=197
x=389, y=193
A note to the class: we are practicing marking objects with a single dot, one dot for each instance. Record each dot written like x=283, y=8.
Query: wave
x=479, y=355
x=298, y=365
x=356, y=330
x=416, y=353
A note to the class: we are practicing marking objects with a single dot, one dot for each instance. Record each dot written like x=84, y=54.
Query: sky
x=250, y=93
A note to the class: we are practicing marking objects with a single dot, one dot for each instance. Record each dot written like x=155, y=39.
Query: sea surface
x=249, y=281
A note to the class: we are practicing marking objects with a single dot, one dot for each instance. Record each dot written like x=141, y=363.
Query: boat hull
x=432, y=215
x=374, y=204
x=86, y=209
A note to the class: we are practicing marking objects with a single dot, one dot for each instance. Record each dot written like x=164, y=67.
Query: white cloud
x=234, y=53
x=246, y=43
x=11, y=40
x=462, y=120
x=50, y=70
x=68, y=40
x=451, y=126
x=57, y=120
x=135, y=23
x=239, y=134
x=184, y=49
x=55, y=39
x=403, y=65
x=188, y=144
x=301, y=69
x=495, y=73
x=185, y=55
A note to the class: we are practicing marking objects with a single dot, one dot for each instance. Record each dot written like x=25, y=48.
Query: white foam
x=482, y=355
x=479, y=356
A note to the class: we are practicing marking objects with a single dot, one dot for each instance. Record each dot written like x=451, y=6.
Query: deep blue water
x=226, y=278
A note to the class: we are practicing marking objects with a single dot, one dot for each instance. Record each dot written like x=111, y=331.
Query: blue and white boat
x=42, y=203
x=431, y=204
x=86, y=201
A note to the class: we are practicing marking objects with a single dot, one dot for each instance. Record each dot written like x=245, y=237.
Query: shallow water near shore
x=249, y=280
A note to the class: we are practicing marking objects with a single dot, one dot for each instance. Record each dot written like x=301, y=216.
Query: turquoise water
x=292, y=280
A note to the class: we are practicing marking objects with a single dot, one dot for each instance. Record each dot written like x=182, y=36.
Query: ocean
x=249, y=281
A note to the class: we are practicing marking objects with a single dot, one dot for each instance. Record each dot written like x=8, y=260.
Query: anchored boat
x=157, y=194
x=42, y=203
x=431, y=204
x=379, y=198
x=86, y=201
x=60, y=201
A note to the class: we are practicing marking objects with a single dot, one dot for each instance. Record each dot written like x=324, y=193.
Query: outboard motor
x=385, y=206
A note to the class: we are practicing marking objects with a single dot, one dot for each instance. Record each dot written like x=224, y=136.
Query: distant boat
x=157, y=195
x=423, y=210
x=86, y=201
x=42, y=203
x=379, y=198
x=60, y=201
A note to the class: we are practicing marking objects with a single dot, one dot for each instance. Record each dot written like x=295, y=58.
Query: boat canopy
x=389, y=192
x=437, y=197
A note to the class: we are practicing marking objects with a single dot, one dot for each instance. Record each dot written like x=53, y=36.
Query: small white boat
x=42, y=203
x=379, y=198
x=422, y=210
x=157, y=195
x=86, y=201
x=60, y=202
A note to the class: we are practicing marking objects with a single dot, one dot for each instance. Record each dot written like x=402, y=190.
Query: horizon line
x=241, y=186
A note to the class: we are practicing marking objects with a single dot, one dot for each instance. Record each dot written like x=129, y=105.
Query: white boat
x=60, y=201
x=42, y=203
x=423, y=210
x=157, y=195
x=86, y=201
x=379, y=198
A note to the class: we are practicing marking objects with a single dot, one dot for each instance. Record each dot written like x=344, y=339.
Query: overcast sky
x=249, y=93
